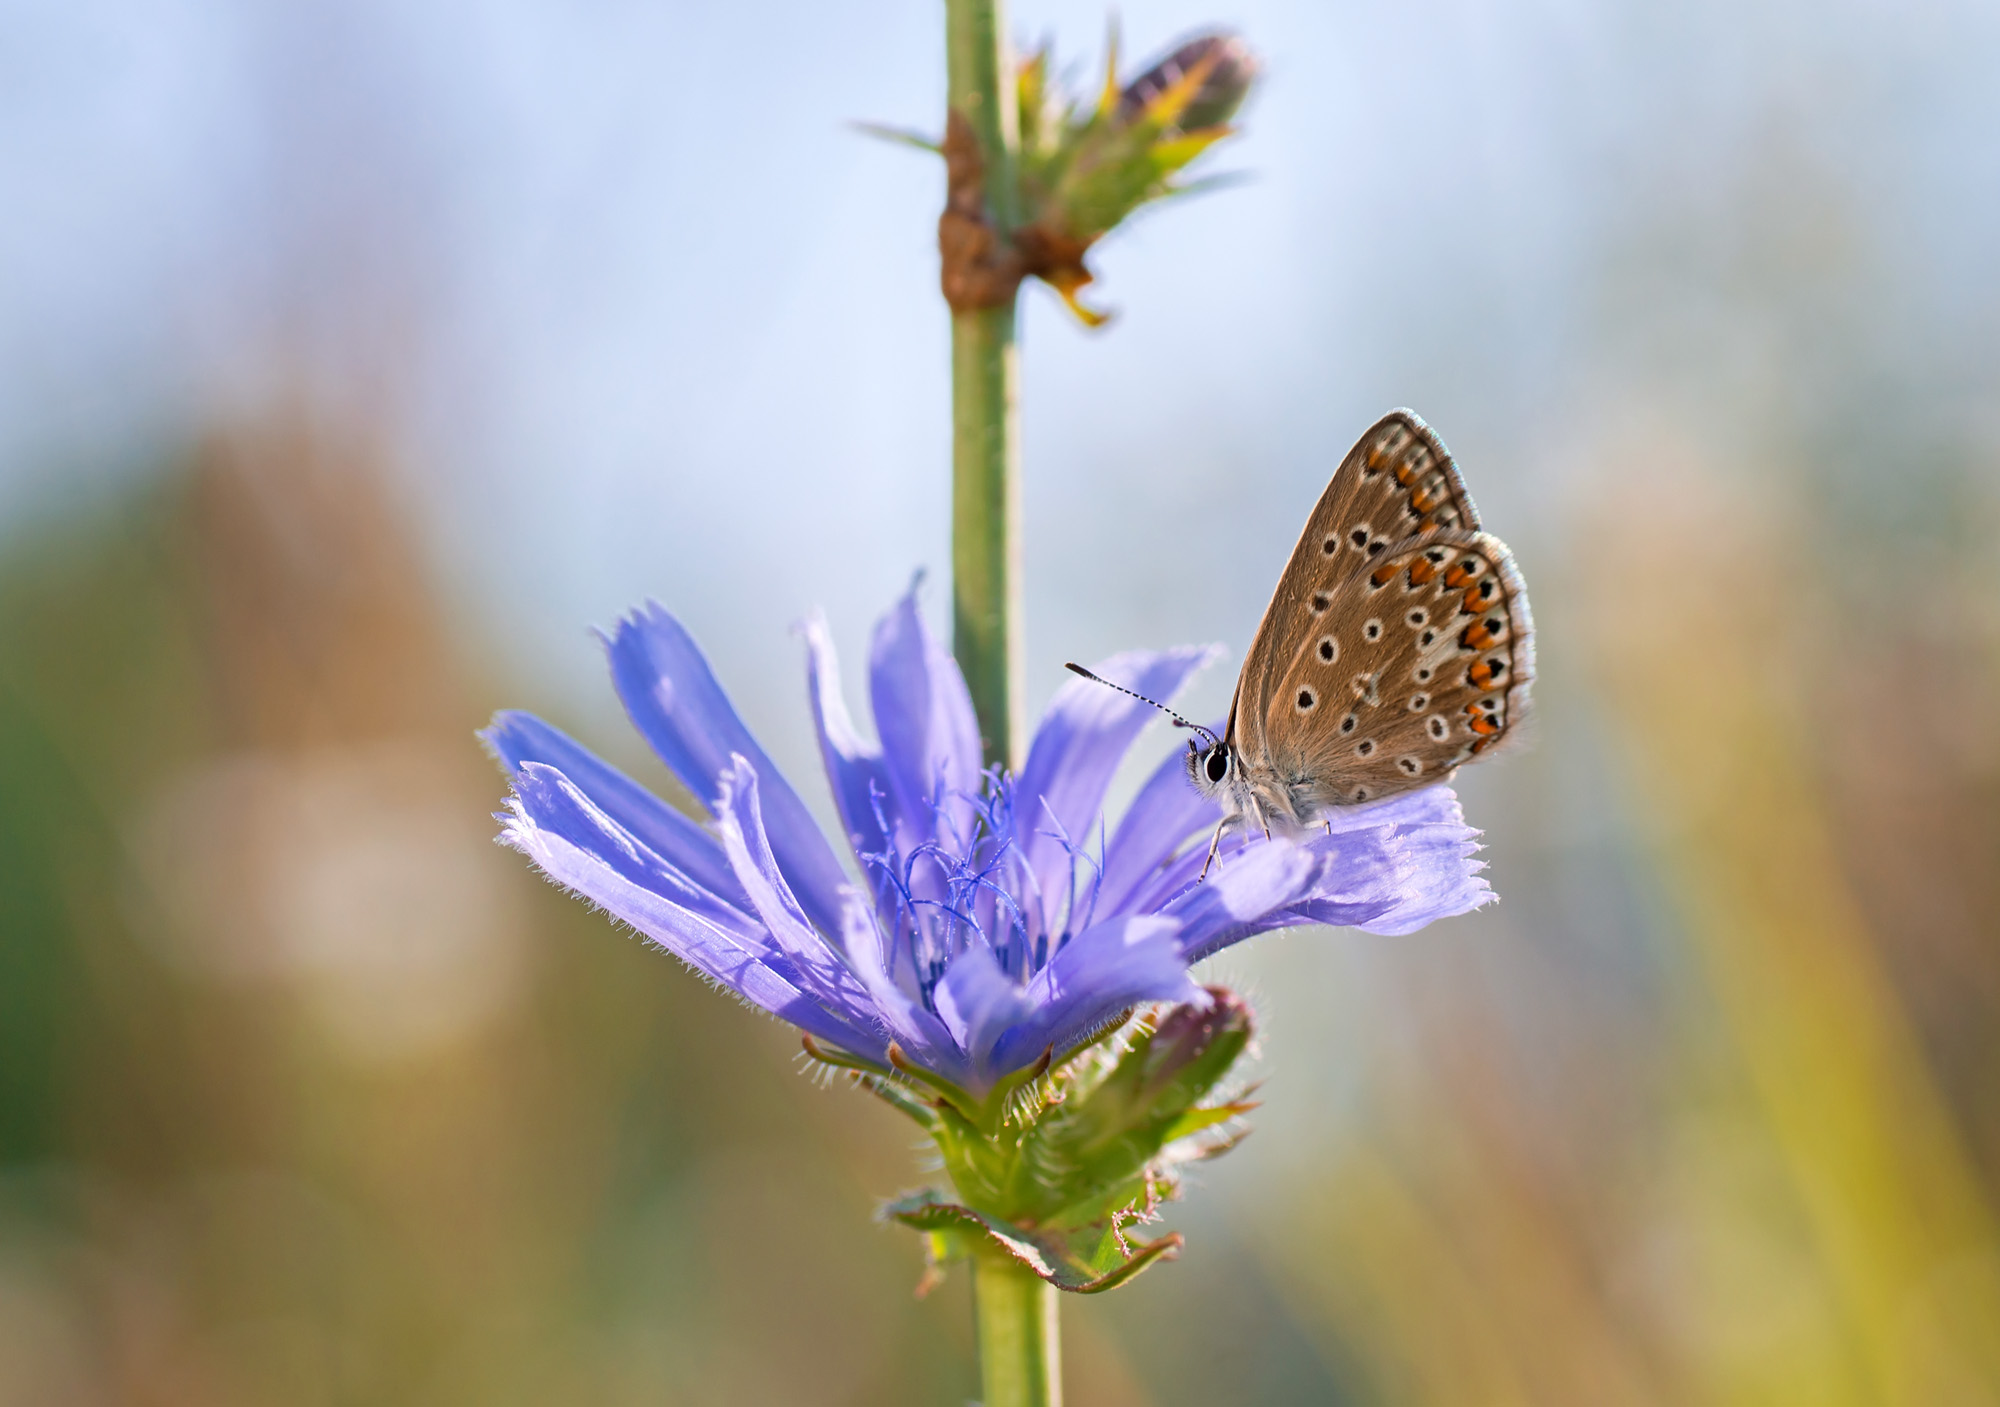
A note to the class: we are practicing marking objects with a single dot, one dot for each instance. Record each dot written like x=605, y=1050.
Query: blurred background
x=357, y=355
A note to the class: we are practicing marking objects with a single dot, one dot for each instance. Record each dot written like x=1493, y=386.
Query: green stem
x=985, y=425
x=1020, y=1346
x=979, y=83
x=1020, y=1349
x=986, y=523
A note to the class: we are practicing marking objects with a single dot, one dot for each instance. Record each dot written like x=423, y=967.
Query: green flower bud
x=1056, y=1170
x=1118, y=1128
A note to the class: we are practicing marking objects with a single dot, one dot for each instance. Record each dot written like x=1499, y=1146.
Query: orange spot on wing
x=1423, y=500
x=1485, y=724
x=1421, y=571
x=1476, y=636
x=1481, y=674
x=1380, y=576
x=1456, y=576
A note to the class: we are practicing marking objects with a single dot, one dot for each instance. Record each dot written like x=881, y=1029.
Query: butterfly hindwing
x=1398, y=482
x=1419, y=660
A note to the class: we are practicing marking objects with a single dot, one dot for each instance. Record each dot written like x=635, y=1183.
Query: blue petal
x=1437, y=875
x=920, y=1035
x=854, y=767
x=674, y=701
x=584, y=851
x=518, y=738
x=1388, y=868
x=1247, y=893
x=821, y=970
x=1078, y=747
x=557, y=805
x=1167, y=811
x=930, y=737
x=1107, y=969
x=979, y=1003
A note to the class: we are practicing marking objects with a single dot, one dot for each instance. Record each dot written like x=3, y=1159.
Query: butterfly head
x=1210, y=768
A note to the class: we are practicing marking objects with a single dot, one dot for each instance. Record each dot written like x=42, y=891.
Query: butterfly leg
x=1211, y=850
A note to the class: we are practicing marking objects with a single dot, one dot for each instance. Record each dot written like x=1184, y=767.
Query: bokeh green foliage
x=225, y=1176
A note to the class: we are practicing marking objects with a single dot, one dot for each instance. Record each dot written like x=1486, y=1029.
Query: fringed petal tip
x=1438, y=874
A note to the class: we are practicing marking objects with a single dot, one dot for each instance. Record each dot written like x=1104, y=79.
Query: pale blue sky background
x=655, y=322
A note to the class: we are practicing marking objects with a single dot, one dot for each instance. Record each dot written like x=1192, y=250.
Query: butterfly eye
x=1217, y=765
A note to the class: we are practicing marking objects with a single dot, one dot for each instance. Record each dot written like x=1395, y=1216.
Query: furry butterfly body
x=1397, y=647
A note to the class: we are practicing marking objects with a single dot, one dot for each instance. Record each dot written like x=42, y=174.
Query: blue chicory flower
x=988, y=919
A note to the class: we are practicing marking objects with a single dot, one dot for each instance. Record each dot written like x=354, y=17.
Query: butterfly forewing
x=1397, y=483
x=1421, y=662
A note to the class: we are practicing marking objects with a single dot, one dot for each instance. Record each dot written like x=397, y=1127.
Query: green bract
x=1052, y=1170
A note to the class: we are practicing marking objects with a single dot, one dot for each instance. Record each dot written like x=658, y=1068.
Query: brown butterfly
x=1398, y=645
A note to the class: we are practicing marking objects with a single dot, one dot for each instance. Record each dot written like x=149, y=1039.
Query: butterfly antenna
x=1178, y=720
